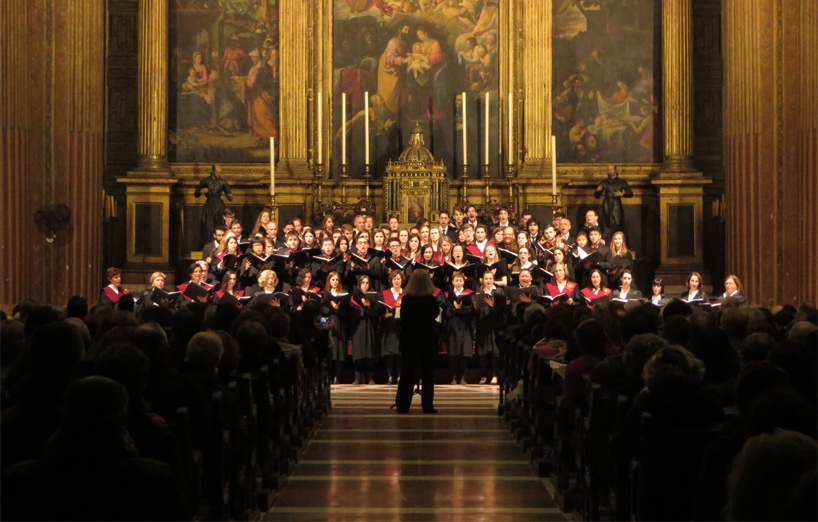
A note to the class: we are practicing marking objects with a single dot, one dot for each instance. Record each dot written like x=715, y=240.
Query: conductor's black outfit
x=419, y=341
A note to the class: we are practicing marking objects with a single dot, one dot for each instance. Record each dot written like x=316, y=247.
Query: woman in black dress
x=363, y=318
x=459, y=328
x=419, y=341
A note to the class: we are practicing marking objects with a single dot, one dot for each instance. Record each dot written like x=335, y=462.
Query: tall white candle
x=366, y=126
x=465, y=149
x=486, y=147
x=343, y=128
x=320, y=125
x=510, y=128
x=553, y=165
x=272, y=166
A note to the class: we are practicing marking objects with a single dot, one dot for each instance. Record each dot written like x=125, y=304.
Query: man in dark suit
x=445, y=228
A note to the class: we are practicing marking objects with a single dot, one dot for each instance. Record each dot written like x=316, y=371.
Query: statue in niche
x=612, y=190
x=212, y=187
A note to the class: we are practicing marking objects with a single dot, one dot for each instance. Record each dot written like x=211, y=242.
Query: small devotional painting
x=223, y=80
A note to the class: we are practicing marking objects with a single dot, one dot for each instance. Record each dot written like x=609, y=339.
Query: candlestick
x=486, y=147
x=510, y=128
x=320, y=130
x=366, y=128
x=272, y=167
x=273, y=209
x=366, y=177
x=465, y=147
x=553, y=165
x=344, y=128
x=320, y=176
x=487, y=178
x=344, y=183
x=465, y=181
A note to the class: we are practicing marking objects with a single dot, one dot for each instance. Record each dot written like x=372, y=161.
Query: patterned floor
x=368, y=463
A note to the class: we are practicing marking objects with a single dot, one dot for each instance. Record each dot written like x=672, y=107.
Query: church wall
x=54, y=131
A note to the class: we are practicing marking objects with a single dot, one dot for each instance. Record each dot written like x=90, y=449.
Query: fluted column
x=536, y=58
x=52, y=84
x=296, y=72
x=806, y=152
x=771, y=127
x=152, y=146
x=15, y=117
x=677, y=84
x=79, y=58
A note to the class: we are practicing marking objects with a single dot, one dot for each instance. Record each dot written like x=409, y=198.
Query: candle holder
x=555, y=204
x=465, y=178
x=367, y=177
x=510, y=174
x=273, y=208
x=344, y=183
x=487, y=178
x=319, y=177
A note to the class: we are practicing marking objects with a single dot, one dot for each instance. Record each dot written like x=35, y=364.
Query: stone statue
x=212, y=187
x=612, y=190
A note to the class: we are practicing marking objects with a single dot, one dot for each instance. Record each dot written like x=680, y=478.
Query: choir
x=357, y=274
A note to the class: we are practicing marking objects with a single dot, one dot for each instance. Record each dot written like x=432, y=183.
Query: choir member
x=561, y=285
x=492, y=262
x=694, y=293
x=732, y=289
x=335, y=313
x=362, y=262
x=412, y=250
x=445, y=252
x=262, y=221
x=490, y=306
x=626, y=290
x=229, y=286
x=622, y=258
x=533, y=229
x=363, y=319
x=112, y=293
x=157, y=280
x=303, y=290
x=595, y=292
x=197, y=274
x=657, y=297
x=390, y=325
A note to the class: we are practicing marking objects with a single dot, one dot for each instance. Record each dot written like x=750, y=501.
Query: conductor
x=419, y=341
x=612, y=190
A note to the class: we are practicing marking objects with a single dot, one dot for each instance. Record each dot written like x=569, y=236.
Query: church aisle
x=368, y=463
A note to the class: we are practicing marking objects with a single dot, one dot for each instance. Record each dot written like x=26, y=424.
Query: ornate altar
x=415, y=186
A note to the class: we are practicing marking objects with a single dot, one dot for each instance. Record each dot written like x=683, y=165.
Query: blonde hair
x=156, y=275
x=624, y=249
x=262, y=277
x=420, y=284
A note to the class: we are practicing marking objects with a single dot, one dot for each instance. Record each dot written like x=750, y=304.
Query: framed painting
x=415, y=59
x=606, y=81
x=224, y=81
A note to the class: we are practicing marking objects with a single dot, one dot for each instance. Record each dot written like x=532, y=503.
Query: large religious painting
x=415, y=58
x=606, y=77
x=223, y=80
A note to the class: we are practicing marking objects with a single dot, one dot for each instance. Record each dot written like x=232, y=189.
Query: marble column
x=677, y=85
x=152, y=56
